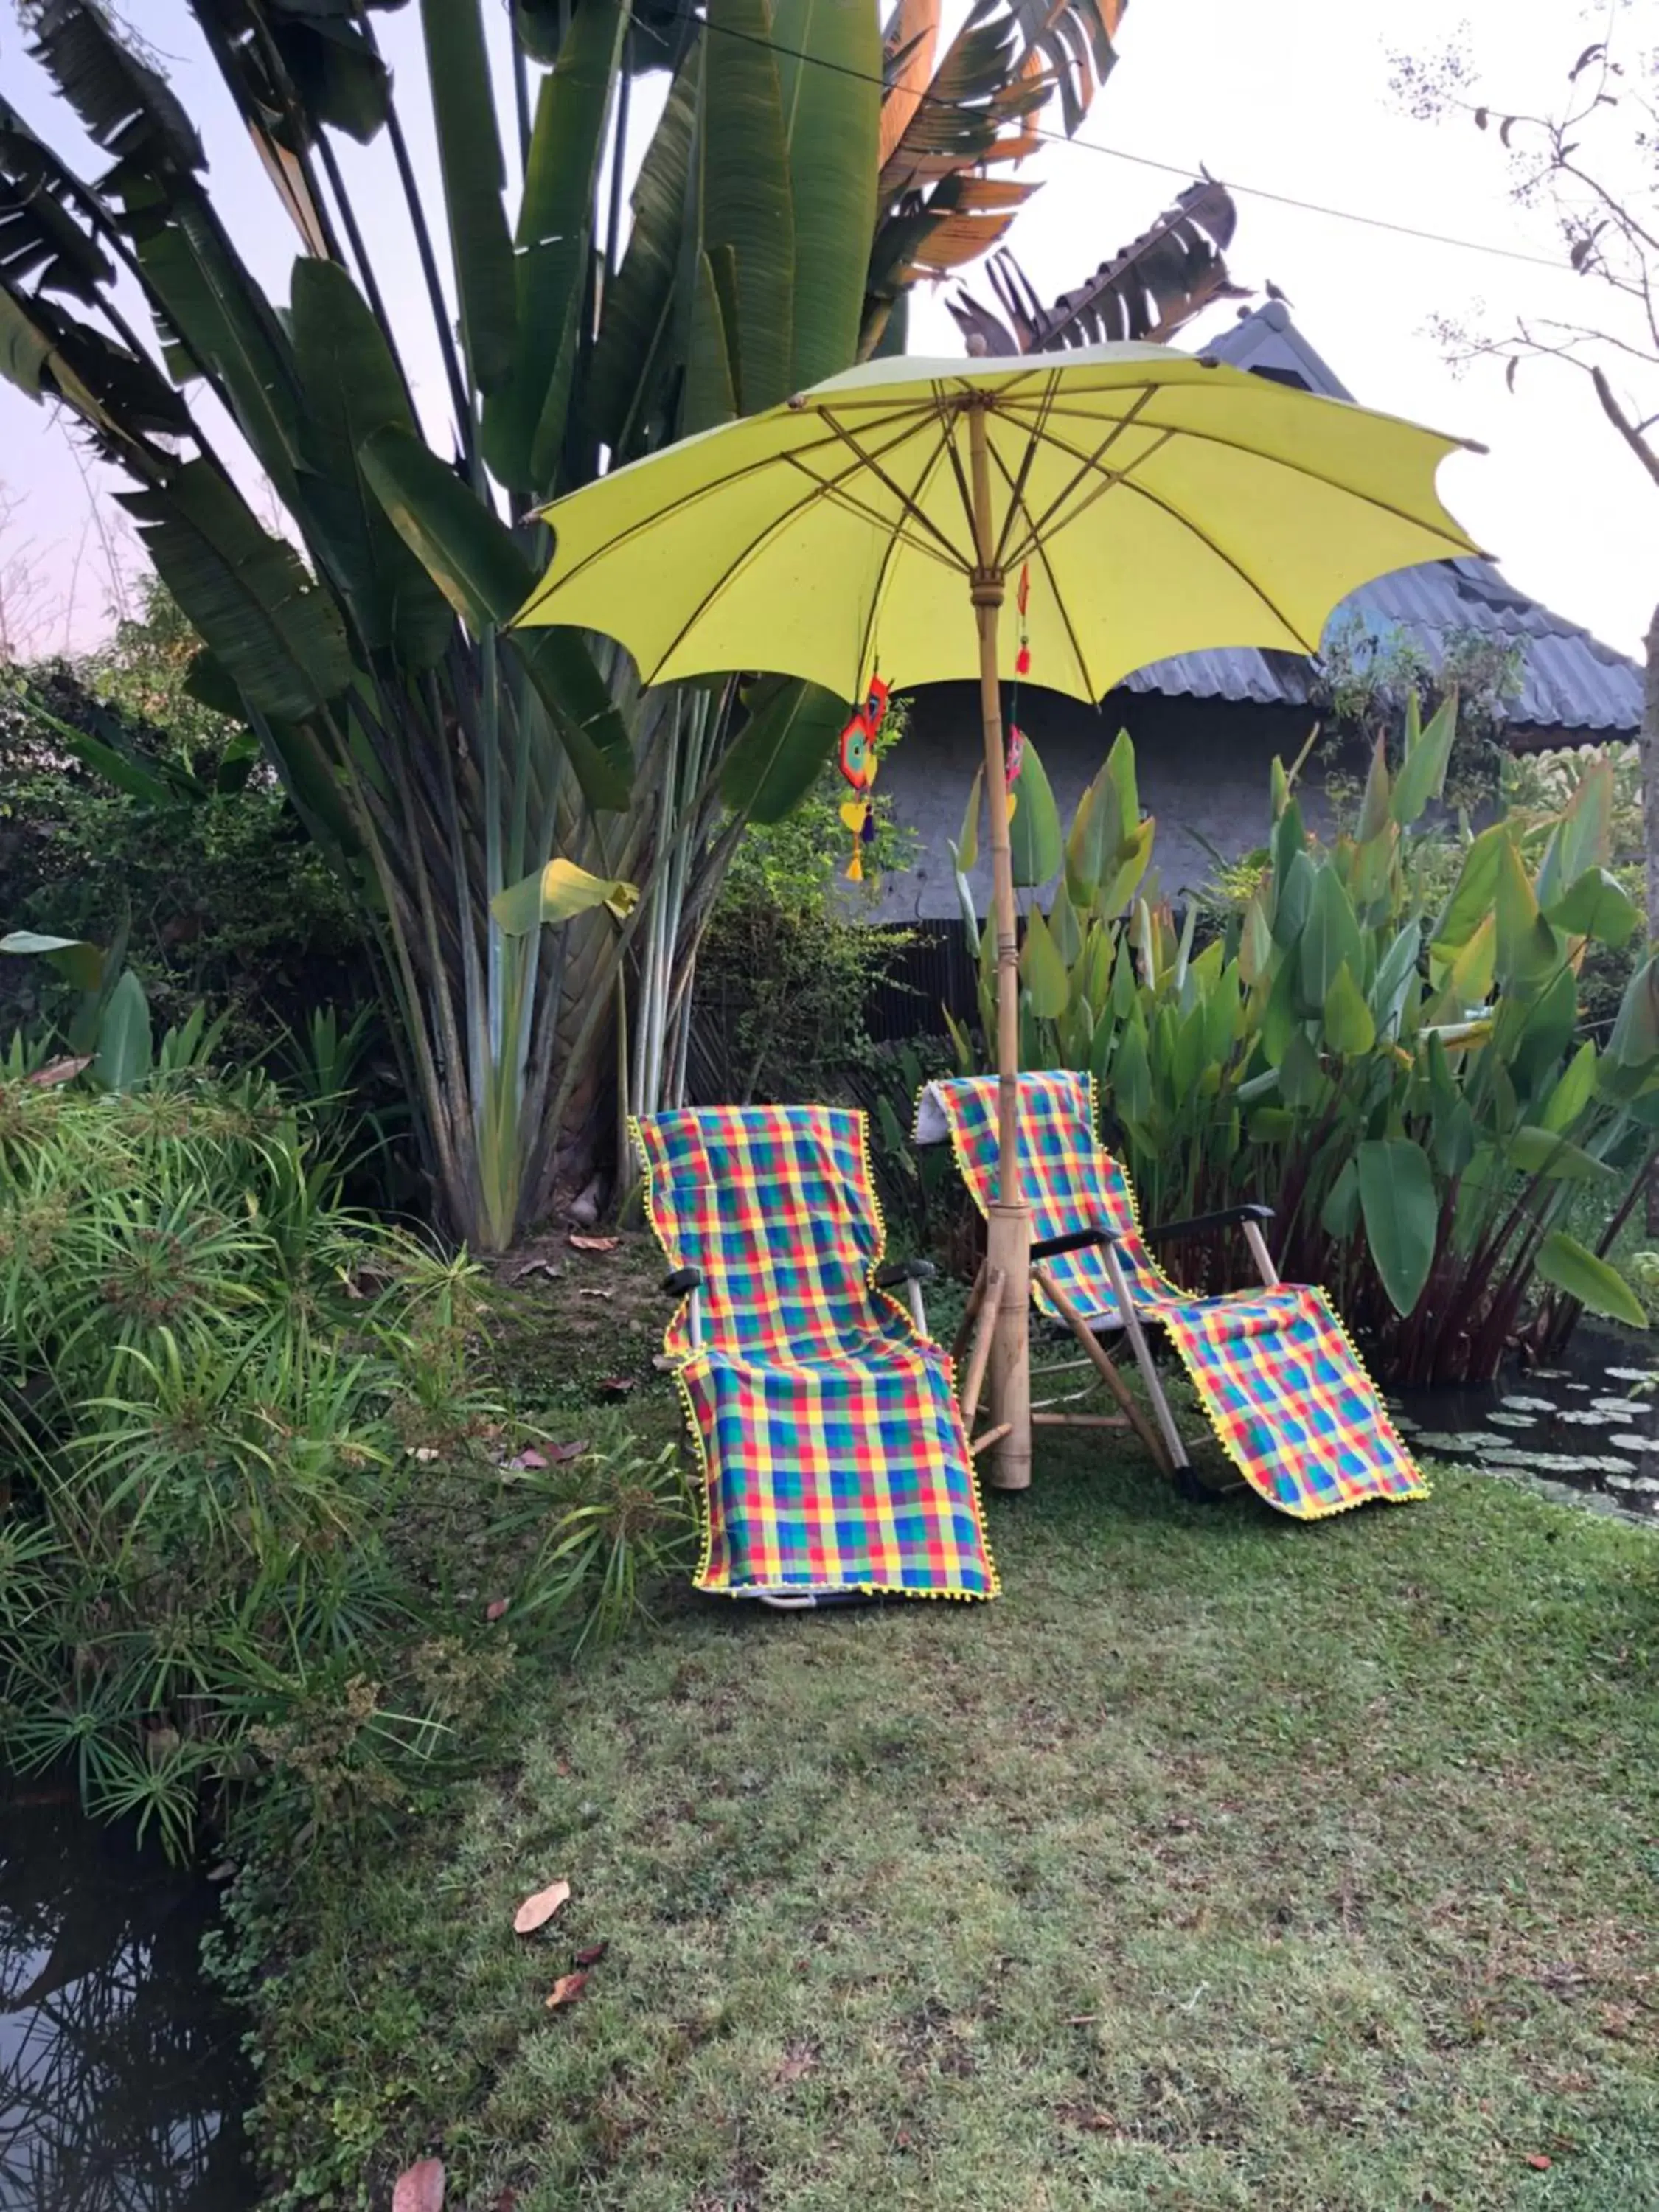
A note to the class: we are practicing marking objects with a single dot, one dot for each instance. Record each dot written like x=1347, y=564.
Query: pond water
x=1589, y=1423
x=121, y=2072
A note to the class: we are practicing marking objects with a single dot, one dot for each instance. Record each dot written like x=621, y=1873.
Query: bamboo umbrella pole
x=1008, y=1241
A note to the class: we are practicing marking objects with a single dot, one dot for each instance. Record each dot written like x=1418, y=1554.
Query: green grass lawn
x=1222, y=1863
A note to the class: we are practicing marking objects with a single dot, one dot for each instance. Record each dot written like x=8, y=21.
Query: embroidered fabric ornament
x=857, y=759
x=1022, y=598
x=1015, y=761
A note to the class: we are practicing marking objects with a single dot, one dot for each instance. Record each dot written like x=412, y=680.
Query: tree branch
x=1622, y=424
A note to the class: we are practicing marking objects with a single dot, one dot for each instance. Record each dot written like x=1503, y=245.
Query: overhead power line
x=1170, y=168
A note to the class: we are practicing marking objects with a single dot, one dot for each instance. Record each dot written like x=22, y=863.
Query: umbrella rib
x=835, y=494
x=948, y=419
x=1092, y=464
x=1167, y=507
x=1105, y=480
x=1017, y=487
x=874, y=616
x=1038, y=552
x=823, y=488
x=907, y=500
x=1453, y=537
x=911, y=417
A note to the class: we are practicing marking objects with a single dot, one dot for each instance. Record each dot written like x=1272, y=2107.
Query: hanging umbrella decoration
x=857, y=758
x=1149, y=503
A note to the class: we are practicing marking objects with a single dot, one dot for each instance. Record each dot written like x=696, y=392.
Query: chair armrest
x=682, y=1280
x=1226, y=1217
x=895, y=1272
x=1077, y=1240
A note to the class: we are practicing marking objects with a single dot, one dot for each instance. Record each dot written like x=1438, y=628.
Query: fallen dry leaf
x=531, y=1458
x=616, y=1386
x=596, y=1294
x=560, y=1453
x=594, y=1243
x=566, y=1990
x=424, y=1453
x=592, y=1954
x=59, y=1071
x=508, y=2200
x=420, y=2189
x=1090, y=2122
x=496, y=1607
x=1539, y=2163
x=536, y=1911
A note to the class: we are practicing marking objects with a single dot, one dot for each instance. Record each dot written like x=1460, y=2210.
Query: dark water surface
x=121, y=2075
x=1589, y=1423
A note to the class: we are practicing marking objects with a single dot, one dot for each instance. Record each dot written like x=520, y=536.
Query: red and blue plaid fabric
x=1290, y=1401
x=833, y=1451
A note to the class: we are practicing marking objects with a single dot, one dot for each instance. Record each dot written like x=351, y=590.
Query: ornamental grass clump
x=257, y=1539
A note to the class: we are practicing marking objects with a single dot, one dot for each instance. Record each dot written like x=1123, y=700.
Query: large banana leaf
x=524, y=423
x=351, y=388
x=477, y=564
x=217, y=319
x=634, y=334
x=780, y=752
x=126, y=107
x=746, y=203
x=829, y=62
x=1147, y=290
x=273, y=629
x=470, y=156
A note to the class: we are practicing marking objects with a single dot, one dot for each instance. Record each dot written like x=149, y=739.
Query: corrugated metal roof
x=1570, y=681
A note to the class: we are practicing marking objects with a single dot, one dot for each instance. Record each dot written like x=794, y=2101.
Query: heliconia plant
x=1402, y=1076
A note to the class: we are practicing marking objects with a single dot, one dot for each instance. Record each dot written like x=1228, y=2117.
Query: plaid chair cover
x=832, y=1447
x=1276, y=1371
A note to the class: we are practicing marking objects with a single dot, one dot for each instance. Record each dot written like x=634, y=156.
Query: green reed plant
x=256, y=1542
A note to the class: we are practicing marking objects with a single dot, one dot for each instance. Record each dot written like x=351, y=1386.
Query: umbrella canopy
x=1163, y=505
x=1160, y=504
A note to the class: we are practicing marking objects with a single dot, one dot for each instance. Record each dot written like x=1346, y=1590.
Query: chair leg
x=965, y=1327
x=1260, y=1254
x=1113, y=1382
x=1137, y=1335
x=985, y=1329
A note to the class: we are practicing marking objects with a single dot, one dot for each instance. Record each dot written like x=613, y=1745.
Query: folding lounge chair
x=1274, y=1368
x=833, y=1453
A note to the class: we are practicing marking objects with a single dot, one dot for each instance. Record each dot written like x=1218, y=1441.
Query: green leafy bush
x=167, y=835
x=1401, y=1070
x=260, y=1529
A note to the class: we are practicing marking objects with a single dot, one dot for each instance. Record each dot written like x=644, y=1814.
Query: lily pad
x=1517, y=1403
x=1587, y=1417
x=1638, y=1485
x=1514, y=1421
x=1620, y=1406
x=1584, y=1387
x=1640, y=1445
x=1647, y=1374
x=1439, y=1440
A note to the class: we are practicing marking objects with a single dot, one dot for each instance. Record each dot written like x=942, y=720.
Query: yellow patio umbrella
x=1161, y=502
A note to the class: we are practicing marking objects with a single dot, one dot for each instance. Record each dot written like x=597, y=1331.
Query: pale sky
x=1294, y=98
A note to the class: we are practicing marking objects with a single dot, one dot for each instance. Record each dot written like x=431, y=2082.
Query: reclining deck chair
x=1290, y=1403
x=832, y=1449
